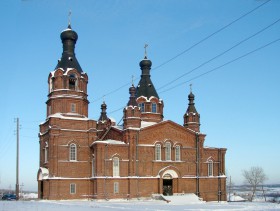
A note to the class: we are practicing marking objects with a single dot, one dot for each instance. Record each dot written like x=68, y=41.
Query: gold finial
x=191, y=88
x=132, y=80
x=69, y=18
x=145, y=46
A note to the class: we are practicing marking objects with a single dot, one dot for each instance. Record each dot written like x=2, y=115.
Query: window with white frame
x=177, y=153
x=158, y=152
x=142, y=107
x=73, y=152
x=210, y=168
x=73, y=107
x=154, y=108
x=72, y=188
x=116, y=187
x=116, y=167
x=167, y=151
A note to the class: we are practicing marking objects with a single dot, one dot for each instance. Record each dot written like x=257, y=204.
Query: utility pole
x=17, y=166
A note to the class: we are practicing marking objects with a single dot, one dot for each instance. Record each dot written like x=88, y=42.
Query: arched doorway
x=167, y=186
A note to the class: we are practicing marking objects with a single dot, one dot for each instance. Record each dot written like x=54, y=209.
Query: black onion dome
x=191, y=96
x=68, y=59
x=69, y=34
x=145, y=86
x=191, y=107
x=103, y=114
x=145, y=63
x=132, y=100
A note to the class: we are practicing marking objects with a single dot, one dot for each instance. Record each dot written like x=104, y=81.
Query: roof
x=145, y=86
x=68, y=58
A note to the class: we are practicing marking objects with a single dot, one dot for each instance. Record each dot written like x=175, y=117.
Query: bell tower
x=66, y=135
x=68, y=83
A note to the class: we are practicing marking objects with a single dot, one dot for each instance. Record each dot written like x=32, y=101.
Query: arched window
x=210, y=168
x=116, y=167
x=167, y=151
x=158, y=152
x=73, y=152
x=72, y=81
x=177, y=153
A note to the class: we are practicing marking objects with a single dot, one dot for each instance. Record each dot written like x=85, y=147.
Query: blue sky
x=238, y=103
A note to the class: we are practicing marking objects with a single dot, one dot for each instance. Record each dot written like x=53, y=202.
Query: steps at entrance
x=190, y=198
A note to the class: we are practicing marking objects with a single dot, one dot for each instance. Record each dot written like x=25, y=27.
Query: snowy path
x=130, y=205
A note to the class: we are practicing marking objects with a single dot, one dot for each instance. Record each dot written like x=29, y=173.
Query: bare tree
x=254, y=177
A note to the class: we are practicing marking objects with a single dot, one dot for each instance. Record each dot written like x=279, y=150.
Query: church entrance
x=167, y=185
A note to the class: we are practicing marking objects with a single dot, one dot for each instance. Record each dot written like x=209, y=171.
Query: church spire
x=69, y=38
x=145, y=87
x=103, y=116
x=192, y=117
x=132, y=98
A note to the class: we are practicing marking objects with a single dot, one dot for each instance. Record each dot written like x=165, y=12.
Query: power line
x=212, y=70
x=207, y=37
x=227, y=63
x=188, y=49
x=224, y=52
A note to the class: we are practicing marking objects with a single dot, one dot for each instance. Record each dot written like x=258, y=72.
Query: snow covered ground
x=147, y=205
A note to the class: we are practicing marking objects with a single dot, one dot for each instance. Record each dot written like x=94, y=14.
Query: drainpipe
x=197, y=163
x=137, y=161
x=219, y=174
x=105, y=167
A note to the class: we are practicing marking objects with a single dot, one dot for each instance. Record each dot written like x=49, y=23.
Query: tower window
x=142, y=106
x=73, y=107
x=72, y=81
x=158, y=152
x=154, y=107
x=73, y=152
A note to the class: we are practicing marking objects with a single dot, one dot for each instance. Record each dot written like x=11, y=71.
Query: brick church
x=82, y=158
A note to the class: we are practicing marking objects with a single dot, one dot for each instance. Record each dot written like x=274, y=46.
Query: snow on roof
x=109, y=141
x=148, y=100
x=119, y=127
x=44, y=173
x=147, y=124
x=66, y=95
x=112, y=119
x=72, y=116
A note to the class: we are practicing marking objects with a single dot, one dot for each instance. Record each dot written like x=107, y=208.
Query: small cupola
x=192, y=117
x=103, y=115
x=132, y=113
